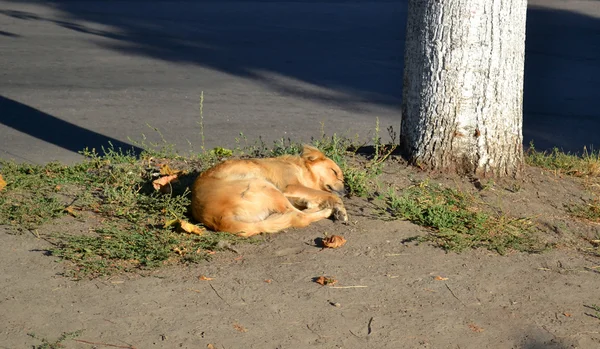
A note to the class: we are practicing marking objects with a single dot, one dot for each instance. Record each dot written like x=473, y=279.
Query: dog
x=252, y=196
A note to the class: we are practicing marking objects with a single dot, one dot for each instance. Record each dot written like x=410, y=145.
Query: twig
x=358, y=286
x=354, y=334
x=369, y=330
x=458, y=299
x=218, y=295
x=104, y=344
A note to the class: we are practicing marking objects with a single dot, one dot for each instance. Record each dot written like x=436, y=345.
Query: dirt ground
x=389, y=294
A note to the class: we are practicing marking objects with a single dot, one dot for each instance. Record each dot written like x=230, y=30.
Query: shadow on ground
x=352, y=48
x=56, y=131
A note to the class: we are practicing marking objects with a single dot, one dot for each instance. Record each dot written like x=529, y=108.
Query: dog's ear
x=311, y=153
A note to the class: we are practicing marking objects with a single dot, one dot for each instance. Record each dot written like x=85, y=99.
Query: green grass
x=46, y=344
x=586, y=164
x=456, y=222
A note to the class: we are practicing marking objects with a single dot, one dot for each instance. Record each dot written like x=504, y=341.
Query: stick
x=448, y=287
x=104, y=344
x=369, y=326
x=218, y=295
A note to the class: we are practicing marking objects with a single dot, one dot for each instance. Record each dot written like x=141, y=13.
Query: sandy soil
x=390, y=294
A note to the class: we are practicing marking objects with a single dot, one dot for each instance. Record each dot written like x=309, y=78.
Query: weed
x=589, y=211
x=55, y=344
x=588, y=164
x=456, y=222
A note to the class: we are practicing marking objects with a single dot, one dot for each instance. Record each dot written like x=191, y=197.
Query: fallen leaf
x=334, y=241
x=171, y=223
x=567, y=314
x=2, y=183
x=166, y=170
x=179, y=251
x=210, y=346
x=204, y=278
x=163, y=183
x=324, y=280
x=475, y=328
x=240, y=328
x=57, y=188
x=191, y=228
x=71, y=210
x=268, y=281
x=439, y=278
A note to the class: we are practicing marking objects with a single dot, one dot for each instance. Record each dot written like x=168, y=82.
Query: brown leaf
x=475, y=328
x=163, y=183
x=204, y=278
x=210, y=346
x=334, y=241
x=191, y=228
x=439, y=278
x=240, y=328
x=166, y=170
x=324, y=280
x=57, y=188
x=2, y=183
x=268, y=281
x=567, y=314
x=71, y=210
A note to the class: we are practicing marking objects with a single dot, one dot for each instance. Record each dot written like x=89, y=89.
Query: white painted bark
x=463, y=86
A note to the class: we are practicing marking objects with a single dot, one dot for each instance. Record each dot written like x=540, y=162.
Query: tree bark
x=463, y=86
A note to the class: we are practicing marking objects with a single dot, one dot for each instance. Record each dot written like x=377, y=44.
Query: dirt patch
x=389, y=293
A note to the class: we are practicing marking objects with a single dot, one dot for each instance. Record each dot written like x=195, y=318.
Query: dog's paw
x=339, y=214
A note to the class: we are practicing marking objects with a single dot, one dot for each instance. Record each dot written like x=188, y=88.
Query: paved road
x=82, y=73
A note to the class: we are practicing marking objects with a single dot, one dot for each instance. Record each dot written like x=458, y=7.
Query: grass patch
x=46, y=344
x=587, y=164
x=589, y=211
x=456, y=222
x=115, y=189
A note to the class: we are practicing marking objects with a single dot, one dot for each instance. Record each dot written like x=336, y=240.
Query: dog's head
x=328, y=174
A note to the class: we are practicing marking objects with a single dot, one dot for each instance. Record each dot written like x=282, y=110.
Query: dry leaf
x=71, y=210
x=439, y=278
x=204, y=278
x=163, y=183
x=240, y=328
x=191, y=228
x=268, y=281
x=324, y=280
x=210, y=346
x=171, y=223
x=57, y=188
x=475, y=328
x=2, y=183
x=334, y=241
x=166, y=170
x=567, y=314
x=179, y=251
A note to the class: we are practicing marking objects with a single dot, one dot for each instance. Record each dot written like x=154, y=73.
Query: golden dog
x=249, y=197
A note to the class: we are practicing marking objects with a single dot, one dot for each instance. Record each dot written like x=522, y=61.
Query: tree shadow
x=53, y=130
x=351, y=51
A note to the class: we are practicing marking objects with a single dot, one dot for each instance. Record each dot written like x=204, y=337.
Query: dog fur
x=253, y=196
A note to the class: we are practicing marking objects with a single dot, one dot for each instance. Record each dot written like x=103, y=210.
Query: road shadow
x=353, y=49
x=561, y=101
x=53, y=130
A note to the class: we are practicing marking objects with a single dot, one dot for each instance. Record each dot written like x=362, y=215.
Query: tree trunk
x=463, y=86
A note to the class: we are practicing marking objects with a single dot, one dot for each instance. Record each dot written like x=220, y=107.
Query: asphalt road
x=83, y=73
